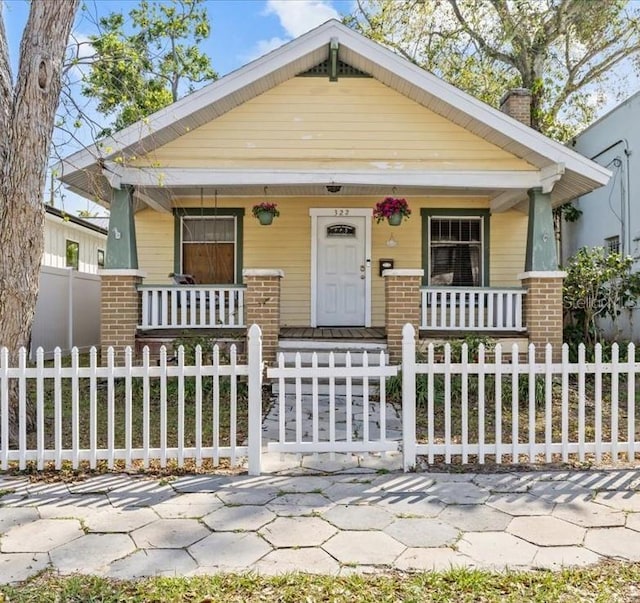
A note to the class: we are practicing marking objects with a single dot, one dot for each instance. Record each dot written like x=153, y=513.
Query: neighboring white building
x=68, y=307
x=611, y=214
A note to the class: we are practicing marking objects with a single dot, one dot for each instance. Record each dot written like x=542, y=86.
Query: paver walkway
x=348, y=519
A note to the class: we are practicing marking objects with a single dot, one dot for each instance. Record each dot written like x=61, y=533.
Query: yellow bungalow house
x=326, y=127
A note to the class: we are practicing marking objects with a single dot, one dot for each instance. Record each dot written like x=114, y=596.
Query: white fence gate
x=323, y=421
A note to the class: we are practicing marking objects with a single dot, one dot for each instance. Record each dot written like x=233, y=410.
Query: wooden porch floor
x=351, y=333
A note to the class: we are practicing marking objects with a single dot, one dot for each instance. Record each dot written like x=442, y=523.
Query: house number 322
x=341, y=212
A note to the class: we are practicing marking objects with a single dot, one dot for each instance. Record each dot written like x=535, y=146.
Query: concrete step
x=339, y=357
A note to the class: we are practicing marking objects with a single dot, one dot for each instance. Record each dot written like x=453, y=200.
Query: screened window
x=455, y=251
x=612, y=244
x=209, y=248
x=72, y=254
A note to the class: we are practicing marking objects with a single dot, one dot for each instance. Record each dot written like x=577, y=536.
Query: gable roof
x=81, y=171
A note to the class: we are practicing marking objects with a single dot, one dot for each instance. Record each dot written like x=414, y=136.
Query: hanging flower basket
x=391, y=209
x=265, y=212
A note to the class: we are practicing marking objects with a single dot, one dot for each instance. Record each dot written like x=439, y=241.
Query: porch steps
x=306, y=348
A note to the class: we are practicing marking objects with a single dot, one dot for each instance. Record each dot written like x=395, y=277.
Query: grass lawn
x=605, y=583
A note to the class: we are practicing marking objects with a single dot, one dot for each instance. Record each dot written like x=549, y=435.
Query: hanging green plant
x=391, y=209
x=265, y=212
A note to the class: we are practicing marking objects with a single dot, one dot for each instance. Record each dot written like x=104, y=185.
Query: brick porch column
x=119, y=310
x=543, y=310
x=262, y=306
x=401, y=306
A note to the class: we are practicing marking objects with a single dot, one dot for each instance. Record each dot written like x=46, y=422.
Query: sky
x=242, y=30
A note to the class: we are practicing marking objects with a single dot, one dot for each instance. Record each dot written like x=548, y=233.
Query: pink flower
x=390, y=206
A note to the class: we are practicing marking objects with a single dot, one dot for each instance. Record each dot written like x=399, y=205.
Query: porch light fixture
x=333, y=188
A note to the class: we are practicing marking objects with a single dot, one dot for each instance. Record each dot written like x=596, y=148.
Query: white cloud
x=263, y=47
x=299, y=16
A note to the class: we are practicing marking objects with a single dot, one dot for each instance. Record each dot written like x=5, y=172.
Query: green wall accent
x=121, y=241
x=204, y=212
x=541, y=240
x=485, y=214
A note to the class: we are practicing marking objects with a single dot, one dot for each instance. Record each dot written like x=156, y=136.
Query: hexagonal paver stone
x=436, y=559
x=561, y=491
x=229, y=550
x=505, y=482
x=191, y=505
x=325, y=464
x=620, y=543
x=140, y=493
x=119, y=520
x=259, y=496
x=353, y=493
x=420, y=532
x=405, y=483
x=17, y=567
x=590, y=515
x=245, y=518
x=458, y=493
x=558, y=557
x=364, y=548
x=12, y=517
x=358, y=517
x=201, y=483
x=633, y=521
x=310, y=560
x=101, y=483
x=299, y=504
x=301, y=484
x=413, y=505
x=152, y=562
x=546, y=531
x=475, y=518
x=520, y=504
x=90, y=553
x=71, y=506
x=624, y=501
x=297, y=531
x=169, y=534
x=497, y=549
x=41, y=536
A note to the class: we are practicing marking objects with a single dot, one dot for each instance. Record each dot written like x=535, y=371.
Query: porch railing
x=473, y=309
x=192, y=306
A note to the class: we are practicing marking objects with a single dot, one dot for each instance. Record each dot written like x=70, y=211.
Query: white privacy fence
x=192, y=306
x=164, y=413
x=474, y=309
x=452, y=405
x=67, y=311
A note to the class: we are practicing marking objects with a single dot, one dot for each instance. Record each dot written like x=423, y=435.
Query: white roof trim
x=168, y=177
x=370, y=52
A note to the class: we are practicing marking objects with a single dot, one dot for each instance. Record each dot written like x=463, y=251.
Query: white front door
x=341, y=271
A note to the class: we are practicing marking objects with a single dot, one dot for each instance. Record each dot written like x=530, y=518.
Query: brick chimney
x=517, y=104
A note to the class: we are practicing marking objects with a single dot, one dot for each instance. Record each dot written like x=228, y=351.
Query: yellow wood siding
x=355, y=123
x=286, y=244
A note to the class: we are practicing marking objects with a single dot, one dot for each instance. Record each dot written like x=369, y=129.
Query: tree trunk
x=27, y=115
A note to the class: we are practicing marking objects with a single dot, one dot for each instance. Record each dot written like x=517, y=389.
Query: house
x=609, y=218
x=326, y=126
x=68, y=307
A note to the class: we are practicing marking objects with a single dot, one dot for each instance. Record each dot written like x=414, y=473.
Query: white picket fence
x=97, y=384
x=567, y=434
x=501, y=406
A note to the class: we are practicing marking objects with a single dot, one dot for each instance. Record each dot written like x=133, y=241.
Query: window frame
x=66, y=254
x=209, y=213
x=608, y=244
x=455, y=214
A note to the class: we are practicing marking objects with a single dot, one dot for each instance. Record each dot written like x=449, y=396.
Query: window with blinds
x=455, y=251
x=209, y=248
